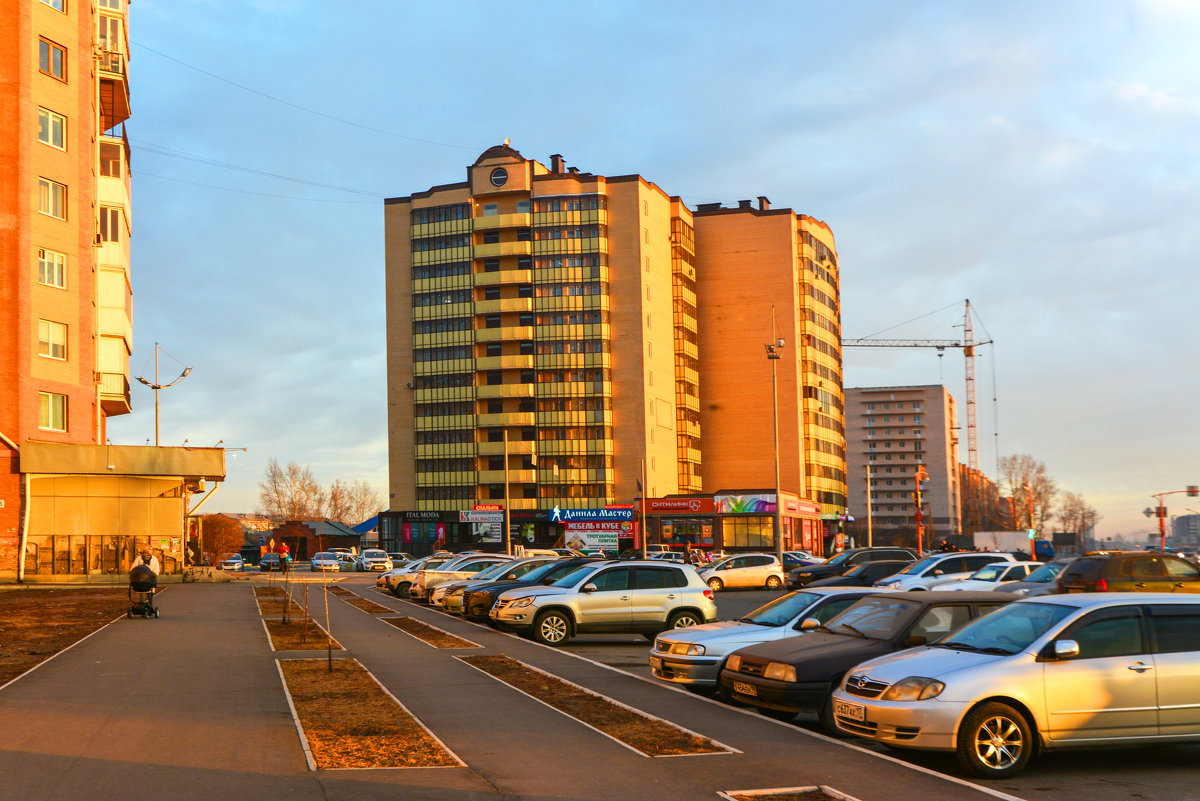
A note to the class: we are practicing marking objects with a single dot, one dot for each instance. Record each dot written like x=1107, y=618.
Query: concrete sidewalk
x=190, y=706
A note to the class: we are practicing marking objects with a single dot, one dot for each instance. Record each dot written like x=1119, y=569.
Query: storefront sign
x=433, y=517
x=488, y=507
x=687, y=506
x=795, y=506
x=558, y=515
x=481, y=517
x=744, y=504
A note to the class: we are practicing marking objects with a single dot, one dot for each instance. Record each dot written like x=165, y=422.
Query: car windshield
x=918, y=567
x=1046, y=573
x=322, y=556
x=839, y=559
x=231, y=557
x=372, y=554
x=876, y=618
x=720, y=563
x=781, y=610
x=575, y=576
x=493, y=571
x=1007, y=630
x=989, y=573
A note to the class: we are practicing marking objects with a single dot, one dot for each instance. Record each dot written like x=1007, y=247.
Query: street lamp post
x=774, y=353
x=154, y=385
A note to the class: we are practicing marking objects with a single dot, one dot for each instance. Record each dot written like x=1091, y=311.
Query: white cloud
x=1159, y=100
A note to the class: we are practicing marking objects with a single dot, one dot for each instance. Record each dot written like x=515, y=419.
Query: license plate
x=656, y=663
x=1074, y=589
x=852, y=711
x=744, y=689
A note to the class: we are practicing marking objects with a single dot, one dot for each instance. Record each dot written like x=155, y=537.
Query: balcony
x=573, y=303
x=690, y=402
x=575, y=447
x=514, y=476
x=522, y=220
x=444, y=366
x=502, y=249
x=552, y=361
x=580, y=418
x=443, y=339
x=688, y=349
x=444, y=395
x=505, y=391
x=512, y=333
x=443, y=310
x=504, y=277
x=444, y=228
x=445, y=422
x=510, y=419
x=574, y=389
x=551, y=247
x=515, y=447
x=518, y=362
x=114, y=89
x=114, y=394
x=503, y=305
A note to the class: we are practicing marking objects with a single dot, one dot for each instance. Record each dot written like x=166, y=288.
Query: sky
x=1040, y=159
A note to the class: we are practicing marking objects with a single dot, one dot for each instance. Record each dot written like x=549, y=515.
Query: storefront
x=743, y=521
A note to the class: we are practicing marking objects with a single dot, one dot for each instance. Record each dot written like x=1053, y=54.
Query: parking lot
x=1157, y=773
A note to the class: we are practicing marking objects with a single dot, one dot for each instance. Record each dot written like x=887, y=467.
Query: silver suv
x=612, y=596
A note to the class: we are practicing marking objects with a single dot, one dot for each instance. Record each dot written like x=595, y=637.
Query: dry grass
x=434, y=636
x=26, y=639
x=301, y=634
x=340, y=592
x=369, y=729
x=651, y=737
x=368, y=605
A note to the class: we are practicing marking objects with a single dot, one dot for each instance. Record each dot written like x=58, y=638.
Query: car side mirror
x=589, y=588
x=809, y=623
x=916, y=639
x=937, y=572
x=1065, y=649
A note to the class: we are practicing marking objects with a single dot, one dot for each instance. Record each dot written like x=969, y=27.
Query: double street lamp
x=774, y=353
x=154, y=385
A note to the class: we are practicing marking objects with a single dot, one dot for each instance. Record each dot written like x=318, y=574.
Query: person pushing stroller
x=143, y=581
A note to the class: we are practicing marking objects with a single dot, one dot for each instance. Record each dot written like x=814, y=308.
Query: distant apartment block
x=890, y=432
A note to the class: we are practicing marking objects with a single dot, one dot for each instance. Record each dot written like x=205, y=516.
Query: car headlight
x=891, y=585
x=914, y=688
x=1022, y=591
x=687, y=649
x=780, y=671
x=734, y=663
x=521, y=603
x=458, y=591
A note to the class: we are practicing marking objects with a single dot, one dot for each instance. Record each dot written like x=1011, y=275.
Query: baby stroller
x=142, y=583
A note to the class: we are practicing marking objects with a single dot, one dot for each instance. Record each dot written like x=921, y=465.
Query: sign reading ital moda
x=558, y=515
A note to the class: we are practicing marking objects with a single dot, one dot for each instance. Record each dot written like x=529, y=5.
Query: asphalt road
x=1153, y=773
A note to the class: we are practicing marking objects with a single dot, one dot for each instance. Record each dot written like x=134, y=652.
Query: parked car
x=232, y=561
x=1129, y=571
x=840, y=563
x=608, y=596
x=863, y=575
x=450, y=595
x=991, y=577
x=479, y=599
x=348, y=562
x=399, y=557
x=669, y=556
x=799, y=674
x=374, y=559
x=795, y=559
x=1042, y=673
x=940, y=568
x=269, y=562
x=339, y=550
x=1043, y=581
x=399, y=581
x=694, y=656
x=462, y=567
x=743, y=570
x=567, y=552
x=324, y=561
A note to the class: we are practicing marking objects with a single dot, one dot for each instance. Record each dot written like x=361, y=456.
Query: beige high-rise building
x=893, y=430
x=556, y=316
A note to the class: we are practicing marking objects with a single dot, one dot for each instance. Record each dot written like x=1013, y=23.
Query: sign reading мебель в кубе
x=594, y=528
x=558, y=515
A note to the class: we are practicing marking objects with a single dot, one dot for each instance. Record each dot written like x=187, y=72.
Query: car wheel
x=773, y=582
x=716, y=585
x=551, y=628
x=682, y=620
x=402, y=589
x=129, y=614
x=994, y=741
x=825, y=717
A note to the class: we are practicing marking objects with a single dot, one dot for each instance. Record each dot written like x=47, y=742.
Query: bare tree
x=337, y=502
x=220, y=535
x=1032, y=491
x=290, y=492
x=1075, y=516
x=364, y=502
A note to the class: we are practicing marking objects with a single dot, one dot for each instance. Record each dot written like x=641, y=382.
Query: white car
x=990, y=577
x=375, y=559
x=325, y=561
x=464, y=567
x=232, y=561
x=743, y=570
x=940, y=568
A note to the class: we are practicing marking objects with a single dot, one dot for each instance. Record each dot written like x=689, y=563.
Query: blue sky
x=1040, y=159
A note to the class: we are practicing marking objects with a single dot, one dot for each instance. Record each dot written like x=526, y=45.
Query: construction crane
x=968, y=344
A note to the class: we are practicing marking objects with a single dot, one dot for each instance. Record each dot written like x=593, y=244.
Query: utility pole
x=774, y=352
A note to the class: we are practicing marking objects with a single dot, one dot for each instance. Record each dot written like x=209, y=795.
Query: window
x=1119, y=635
x=646, y=235
x=110, y=224
x=52, y=339
x=60, y=5
x=52, y=411
x=52, y=59
x=491, y=237
x=52, y=198
x=524, y=206
x=1176, y=629
x=492, y=349
x=52, y=129
x=52, y=268
x=491, y=209
x=115, y=5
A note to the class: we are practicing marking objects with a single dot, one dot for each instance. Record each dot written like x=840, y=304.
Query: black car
x=864, y=575
x=840, y=563
x=799, y=674
x=478, y=601
x=269, y=562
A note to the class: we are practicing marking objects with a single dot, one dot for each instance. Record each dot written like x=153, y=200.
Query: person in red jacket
x=285, y=556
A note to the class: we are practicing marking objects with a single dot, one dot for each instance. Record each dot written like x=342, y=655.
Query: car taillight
x=1101, y=585
x=708, y=594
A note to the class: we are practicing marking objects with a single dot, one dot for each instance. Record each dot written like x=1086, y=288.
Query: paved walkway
x=190, y=706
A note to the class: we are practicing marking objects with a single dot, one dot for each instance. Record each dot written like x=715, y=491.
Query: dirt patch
x=369, y=730
x=795, y=795
x=370, y=606
x=275, y=608
x=434, y=636
x=650, y=736
x=340, y=592
x=268, y=592
x=37, y=624
x=302, y=634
